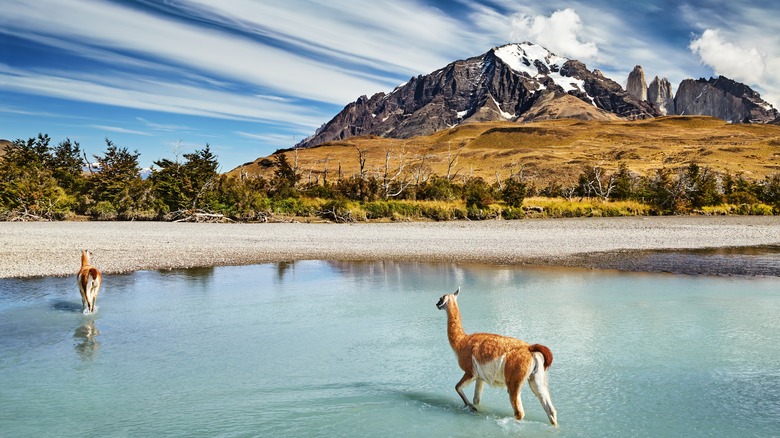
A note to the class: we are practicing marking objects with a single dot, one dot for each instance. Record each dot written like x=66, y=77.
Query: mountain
x=659, y=94
x=636, y=84
x=524, y=83
x=505, y=83
x=723, y=98
x=719, y=97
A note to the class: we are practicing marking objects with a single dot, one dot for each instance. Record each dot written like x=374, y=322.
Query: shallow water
x=359, y=349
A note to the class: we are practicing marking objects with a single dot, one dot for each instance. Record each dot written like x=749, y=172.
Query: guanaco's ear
x=456, y=292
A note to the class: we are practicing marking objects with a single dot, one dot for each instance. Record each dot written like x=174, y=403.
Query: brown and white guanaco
x=499, y=361
x=89, y=279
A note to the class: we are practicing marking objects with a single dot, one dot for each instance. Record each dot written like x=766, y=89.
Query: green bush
x=103, y=211
x=393, y=210
x=293, y=207
x=438, y=213
x=478, y=194
x=514, y=193
x=511, y=213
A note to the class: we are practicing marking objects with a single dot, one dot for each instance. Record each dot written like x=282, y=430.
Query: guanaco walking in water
x=89, y=279
x=499, y=361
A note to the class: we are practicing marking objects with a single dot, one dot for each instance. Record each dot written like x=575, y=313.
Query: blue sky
x=252, y=76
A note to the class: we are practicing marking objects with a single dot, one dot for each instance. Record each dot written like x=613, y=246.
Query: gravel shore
x=53, y=248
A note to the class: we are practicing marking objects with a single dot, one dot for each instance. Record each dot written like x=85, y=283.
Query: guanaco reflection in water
x=87, y=345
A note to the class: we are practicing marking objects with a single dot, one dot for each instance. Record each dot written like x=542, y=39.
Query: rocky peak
x=723, y=98
x=636, y=84
x=502, y=84
x=659, y=94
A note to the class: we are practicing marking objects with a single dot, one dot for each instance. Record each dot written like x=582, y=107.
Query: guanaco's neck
x=84, y=258
x=454, y=326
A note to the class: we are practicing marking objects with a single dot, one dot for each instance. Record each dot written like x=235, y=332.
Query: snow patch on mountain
x=537, y=63
x=523, y=58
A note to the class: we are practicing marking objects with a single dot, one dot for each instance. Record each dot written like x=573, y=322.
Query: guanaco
x=499, y=361
x=89, y=279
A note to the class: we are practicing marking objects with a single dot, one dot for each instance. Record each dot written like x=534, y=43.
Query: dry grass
x=559, y=207
x=555, y=150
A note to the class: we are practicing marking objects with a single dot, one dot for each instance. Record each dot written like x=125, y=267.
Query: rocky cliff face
x=526, y=82
x=723, y=98
x=636, y=84
x=659, y=94
x=502, y=84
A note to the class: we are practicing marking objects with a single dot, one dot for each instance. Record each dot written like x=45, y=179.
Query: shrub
x=103, y=211
x=477, y=194
x=514, y=193
x=438, y=213
x=437, y=189
x=511, y=213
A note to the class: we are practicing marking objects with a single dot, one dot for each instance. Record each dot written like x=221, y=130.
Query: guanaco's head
x=85, y=256
x=447, y=298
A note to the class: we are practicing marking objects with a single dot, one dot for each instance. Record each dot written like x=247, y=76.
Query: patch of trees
x=41, y=181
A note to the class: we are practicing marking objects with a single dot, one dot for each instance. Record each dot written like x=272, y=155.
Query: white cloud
x=744, y=64
x=267, y=138
x=163, y=127
x=119, y=130
x=560, y=33
x=375, y=35
x=133, y=91
x=167, y=42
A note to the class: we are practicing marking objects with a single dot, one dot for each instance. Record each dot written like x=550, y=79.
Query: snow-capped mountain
x=509, y=82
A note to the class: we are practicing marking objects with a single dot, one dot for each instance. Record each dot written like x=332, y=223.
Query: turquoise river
x=337, y=349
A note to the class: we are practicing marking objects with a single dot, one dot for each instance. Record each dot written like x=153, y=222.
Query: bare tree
x=569, y=192
x=498, y=181
x=391, y=185
x=420, y=170
x=362, y=156
x=598, y=182
x=513, y=172
x=452, y=161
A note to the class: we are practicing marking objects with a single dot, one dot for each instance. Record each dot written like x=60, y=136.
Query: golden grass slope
x=552, y=150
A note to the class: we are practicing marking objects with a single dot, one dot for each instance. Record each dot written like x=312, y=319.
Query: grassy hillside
x=554, y=150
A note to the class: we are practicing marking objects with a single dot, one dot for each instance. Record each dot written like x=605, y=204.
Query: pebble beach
x=32, y=249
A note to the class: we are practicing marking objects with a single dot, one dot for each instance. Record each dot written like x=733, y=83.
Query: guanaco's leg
x=478, y=391
x=514, y=398
x=465, y=381
x=538, y=383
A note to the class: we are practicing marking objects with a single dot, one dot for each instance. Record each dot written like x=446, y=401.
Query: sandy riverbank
x=53, y=248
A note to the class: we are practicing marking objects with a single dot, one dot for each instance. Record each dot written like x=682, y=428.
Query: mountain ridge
x=501, y=84
x=507, y=82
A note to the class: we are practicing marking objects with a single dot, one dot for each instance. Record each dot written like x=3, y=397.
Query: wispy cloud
x=268, y=138
x=26, y=112
x=119, y=130
x=163, y=127
x=137, y=91
x=117, y=29
x=371, y=35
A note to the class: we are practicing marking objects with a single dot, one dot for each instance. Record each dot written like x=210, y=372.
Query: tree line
x=39, y=180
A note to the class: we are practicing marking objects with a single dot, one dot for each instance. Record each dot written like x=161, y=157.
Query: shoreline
x=645, y=244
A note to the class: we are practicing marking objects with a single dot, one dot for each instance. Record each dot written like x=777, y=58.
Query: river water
x=324, y=349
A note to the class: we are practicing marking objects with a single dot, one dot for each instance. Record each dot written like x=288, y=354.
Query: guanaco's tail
x=548, y=356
